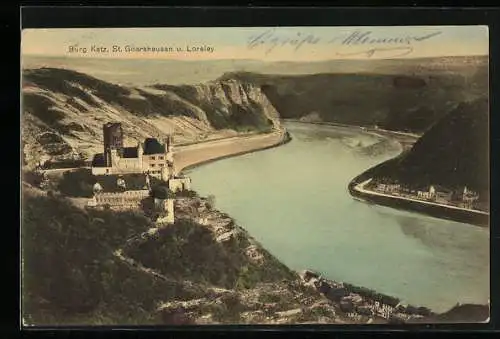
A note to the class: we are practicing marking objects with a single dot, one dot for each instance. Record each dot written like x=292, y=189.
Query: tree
x=210, y=201
x=162, y=192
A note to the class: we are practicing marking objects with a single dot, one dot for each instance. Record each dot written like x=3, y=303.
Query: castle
x=123, y=173
x=151, y=156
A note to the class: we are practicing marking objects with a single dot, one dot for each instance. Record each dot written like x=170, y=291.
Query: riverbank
x=405, y=139
x=188, y=157
x=356, y=189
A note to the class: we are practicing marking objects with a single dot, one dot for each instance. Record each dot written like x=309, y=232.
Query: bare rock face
x=64, y=110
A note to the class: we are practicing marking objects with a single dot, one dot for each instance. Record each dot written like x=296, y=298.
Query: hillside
x=88, y=267
x=454, y=152
x=63, y=112
x=405, y=97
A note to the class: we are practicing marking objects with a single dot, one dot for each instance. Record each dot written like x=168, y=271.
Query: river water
x=293, y=199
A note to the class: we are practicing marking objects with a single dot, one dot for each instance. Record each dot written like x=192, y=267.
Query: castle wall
x=102, y=170
x=179, y=184
x=166, y=209
x=128, y=165
x=119, y=199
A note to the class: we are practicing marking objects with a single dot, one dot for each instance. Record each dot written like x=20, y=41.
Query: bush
x=77, y=183
x=186, y=194
x=69, y=272
x=162, y=192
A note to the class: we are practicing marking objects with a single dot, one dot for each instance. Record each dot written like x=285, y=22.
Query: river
x=293, y=199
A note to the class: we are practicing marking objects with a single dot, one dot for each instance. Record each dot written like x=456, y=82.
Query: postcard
x=255, y=175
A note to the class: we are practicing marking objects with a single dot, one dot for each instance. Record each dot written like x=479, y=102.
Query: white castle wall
x=179, y=184
x=166, y=209
x=127, y=198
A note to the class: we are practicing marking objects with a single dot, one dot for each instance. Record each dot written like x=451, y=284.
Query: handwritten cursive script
x=403, y=50
x=271, y=39
x=402, y=45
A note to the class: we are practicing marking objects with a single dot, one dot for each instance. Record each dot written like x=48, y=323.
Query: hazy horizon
x=285, y=44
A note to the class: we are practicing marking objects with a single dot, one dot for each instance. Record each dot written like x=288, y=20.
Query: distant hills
x=140, y=72
x=404, y=95
x=64, y=109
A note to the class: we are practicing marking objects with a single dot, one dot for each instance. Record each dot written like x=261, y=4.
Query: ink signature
x=405, y=50
x=270, y=39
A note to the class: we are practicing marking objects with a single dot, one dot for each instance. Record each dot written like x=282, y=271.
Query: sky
x=260, y=43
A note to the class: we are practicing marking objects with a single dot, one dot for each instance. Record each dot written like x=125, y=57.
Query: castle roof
x=130, y=152
x=153, y=146
x=98, y=160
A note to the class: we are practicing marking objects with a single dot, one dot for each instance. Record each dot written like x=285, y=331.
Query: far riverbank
x=405, y=139
x=435, y=210
x=187, y=157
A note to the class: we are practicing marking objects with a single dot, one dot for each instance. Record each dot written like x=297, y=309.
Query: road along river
x=294, y=200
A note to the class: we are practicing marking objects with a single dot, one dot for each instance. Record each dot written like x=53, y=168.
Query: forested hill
x=454, y=152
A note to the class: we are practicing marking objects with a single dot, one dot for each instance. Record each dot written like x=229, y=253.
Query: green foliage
x=69, y=273
x=247, y=278
x=452, y=153
x=211, y=201
x=162, y=192
x=269, y=298
x=186, y=194
x=77, y=183
x=188, y=250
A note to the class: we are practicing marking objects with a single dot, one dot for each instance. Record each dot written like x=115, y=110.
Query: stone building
x=429, y=194
x=149, y=156
x=122, y=191
x=469, y=198
x=125, y=175
x=165, y=209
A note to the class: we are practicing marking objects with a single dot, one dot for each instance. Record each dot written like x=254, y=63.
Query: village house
x=469, y=198
x=388, y=188
x=427, y=195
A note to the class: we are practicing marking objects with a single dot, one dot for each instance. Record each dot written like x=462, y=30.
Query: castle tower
x=140, y=152
x=113, y=140
x=165, y=173
x=432, y=191
x=113, y=158
x=169, y=153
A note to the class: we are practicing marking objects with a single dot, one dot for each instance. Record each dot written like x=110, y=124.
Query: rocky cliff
x=63, y=112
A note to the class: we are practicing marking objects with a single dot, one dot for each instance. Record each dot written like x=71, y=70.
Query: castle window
x=160, y=157
x=161, y=165
x=153, y=157
x=153, y=165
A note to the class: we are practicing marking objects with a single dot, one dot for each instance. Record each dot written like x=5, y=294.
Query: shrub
x=77, y=183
